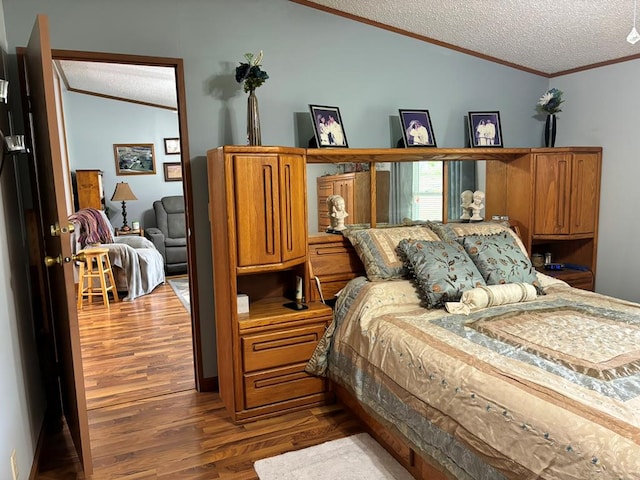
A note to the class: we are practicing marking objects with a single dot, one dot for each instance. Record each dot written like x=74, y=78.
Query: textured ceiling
x=137, y=83
x=545, y=36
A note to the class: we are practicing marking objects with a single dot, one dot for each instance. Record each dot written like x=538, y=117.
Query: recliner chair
x=170, y=234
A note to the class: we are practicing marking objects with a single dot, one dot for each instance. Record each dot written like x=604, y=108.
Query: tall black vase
x=550, y=131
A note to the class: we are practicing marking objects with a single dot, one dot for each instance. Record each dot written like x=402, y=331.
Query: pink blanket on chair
x=93, y=227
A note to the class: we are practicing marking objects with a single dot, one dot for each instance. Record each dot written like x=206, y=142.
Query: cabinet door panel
x=293, y=206
x=345, y=188
x=584, y=192
x=552, y=180
x=257, y=191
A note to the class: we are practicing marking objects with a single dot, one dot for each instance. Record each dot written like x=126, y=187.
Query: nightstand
x=575, y=278
x=139, y=232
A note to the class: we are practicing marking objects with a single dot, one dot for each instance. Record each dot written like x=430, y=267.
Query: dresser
x=355, y=188
x=89, y=188
x=258, y=218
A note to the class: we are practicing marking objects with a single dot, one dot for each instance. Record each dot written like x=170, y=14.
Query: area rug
x=350, y=458
x=181, y=287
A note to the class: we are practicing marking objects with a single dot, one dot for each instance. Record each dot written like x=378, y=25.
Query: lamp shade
x=123, y=193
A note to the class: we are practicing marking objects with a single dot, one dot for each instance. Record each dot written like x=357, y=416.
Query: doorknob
x=51, y=261
x=57, y=230
x=59, y=260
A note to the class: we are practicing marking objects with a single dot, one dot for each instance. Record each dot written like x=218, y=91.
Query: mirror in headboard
x=414, y=190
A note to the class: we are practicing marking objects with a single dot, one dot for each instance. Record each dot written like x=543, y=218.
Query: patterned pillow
x=376, y=247
x=443, y=270
x=500, y=259
x=456, y=230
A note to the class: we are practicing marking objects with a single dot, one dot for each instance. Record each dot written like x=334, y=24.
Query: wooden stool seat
x=96, y=266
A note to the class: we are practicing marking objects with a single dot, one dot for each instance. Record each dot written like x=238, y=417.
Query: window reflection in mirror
x=405, y=191
x=415, y=193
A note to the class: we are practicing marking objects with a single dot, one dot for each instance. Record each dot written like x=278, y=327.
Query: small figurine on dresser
x=467, y=198
x=337, y=214
x=477, y=205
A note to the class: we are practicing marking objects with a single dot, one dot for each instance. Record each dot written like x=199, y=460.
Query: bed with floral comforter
x=547, y=388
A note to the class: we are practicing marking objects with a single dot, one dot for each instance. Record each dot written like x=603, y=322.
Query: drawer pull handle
x=285, y=342
x=270, y=382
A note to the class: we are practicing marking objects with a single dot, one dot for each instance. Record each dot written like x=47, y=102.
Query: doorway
x=143, y=65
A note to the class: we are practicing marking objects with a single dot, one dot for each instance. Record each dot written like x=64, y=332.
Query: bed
x=518, y=379
x=138, y=266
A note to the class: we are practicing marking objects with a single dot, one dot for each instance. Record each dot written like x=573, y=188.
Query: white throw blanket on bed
x=141, y=262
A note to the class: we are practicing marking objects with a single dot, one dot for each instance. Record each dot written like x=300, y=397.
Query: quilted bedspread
x=548, y=388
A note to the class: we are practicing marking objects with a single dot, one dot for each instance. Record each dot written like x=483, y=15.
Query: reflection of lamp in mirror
x=123, y=194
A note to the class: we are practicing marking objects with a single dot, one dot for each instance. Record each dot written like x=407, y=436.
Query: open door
x=52, y=186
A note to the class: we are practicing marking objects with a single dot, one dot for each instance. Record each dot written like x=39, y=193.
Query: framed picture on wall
x=134, y=159
x=172, y=146
x=485, y=129
x=327, y=127
x=172, y=171
x=416, y=128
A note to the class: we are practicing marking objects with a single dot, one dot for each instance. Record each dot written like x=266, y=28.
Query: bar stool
x=96, y=265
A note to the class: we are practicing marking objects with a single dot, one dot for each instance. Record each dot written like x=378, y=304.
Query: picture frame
x=172, y=171
x=417, y=130
x=485, y=130
x=328, y=128
x=172, y=146
x=134, y=158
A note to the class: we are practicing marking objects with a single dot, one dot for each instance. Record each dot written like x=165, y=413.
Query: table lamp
x=123, y=194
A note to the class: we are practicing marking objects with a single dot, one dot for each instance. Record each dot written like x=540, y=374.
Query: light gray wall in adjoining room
x=602, y=108
x=311, y=57
x=95, y=124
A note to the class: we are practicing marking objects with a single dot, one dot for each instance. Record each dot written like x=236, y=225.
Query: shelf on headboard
x=357, y=155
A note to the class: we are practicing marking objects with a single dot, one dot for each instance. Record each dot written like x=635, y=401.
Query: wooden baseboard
x=35, y=466
x=209, y=384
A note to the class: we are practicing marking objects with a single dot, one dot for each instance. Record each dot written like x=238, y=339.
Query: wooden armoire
x=258, y=215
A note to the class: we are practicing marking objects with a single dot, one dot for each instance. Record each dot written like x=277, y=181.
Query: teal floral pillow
x=500, y=259
x=442, y=270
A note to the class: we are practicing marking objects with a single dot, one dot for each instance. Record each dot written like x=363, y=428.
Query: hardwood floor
x=146, y=420
x=136, y=350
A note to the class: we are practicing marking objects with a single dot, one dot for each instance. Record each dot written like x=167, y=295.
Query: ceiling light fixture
x=634, y=36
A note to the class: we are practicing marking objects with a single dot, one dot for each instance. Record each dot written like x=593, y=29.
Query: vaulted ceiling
x=542, y=36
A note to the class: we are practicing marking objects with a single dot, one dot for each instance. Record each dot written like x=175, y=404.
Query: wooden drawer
x=279, y=385
x=334, y=258
x=283, y=347
x=575, y=278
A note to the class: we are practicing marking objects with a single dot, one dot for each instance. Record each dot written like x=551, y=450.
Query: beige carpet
x=351, y=458
x=181, y=287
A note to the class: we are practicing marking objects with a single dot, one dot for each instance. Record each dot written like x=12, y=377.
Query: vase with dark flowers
x=251, y=74
x=549, y=103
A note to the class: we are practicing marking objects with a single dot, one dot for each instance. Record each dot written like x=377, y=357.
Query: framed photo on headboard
x=328, y=127
x=485, y=129
x=416, y=128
